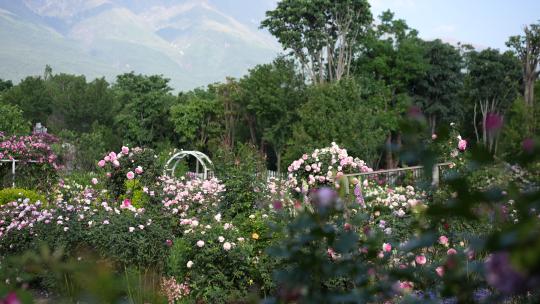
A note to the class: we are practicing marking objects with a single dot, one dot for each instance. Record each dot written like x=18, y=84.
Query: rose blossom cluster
x=35, y=147
x=173, y=290
x=23, y=216
x=323, y=167
x=190, y=195
x=398, y=199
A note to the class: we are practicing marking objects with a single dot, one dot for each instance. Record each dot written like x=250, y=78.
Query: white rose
x=227, y=246
x=189, y=264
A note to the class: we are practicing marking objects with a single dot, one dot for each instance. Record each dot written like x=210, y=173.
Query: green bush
x=240, y=171
x=13, y=194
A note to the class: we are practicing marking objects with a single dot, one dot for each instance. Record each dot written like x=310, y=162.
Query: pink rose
x=116, y=163
x=451, y=251
x=130, y=175
x=101, y=163
x=440, y=271
x=94, y=181
x=433, y=136
x=107, y=158
x=200, y=243
x=139, y=170
x=112, y=156
x=443, y=240
x=462, y=144
x=125, y=204
x=125, y=150
x=420, y=259
x=387, y=247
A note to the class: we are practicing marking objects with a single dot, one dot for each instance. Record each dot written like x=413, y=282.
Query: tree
x=32, y=97
x=527, y=48
x=350, y=112
x=271, y=96
x=197, y=118
x=77, y=105
x=12, y=121
x=321, y=34
x=394, y=56
x=145, y=104
x=437, y=90
x=5, y=85
x=492, y=84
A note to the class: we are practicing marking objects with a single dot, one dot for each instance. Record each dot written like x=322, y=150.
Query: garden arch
x=202, y=160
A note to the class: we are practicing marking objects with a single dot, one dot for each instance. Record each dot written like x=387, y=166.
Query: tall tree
x=32, y=97
x=321, y=34
x=145, y=101
x=272, y=94
x=350, y=112
x=5, y=85
x=197, y=118
x=527, y=48
x=228, y=95
x=492, y=83
x=437, y=90
x=12, y=121
x=393, y=54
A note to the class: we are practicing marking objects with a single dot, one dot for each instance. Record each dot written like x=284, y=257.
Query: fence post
x=435, y=175
x=13, y=173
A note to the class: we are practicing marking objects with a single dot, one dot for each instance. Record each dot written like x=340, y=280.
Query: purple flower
x=528, y=145
x=494, y=122
x=501, y=274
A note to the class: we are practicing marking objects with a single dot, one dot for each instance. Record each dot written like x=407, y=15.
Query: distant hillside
x=192, y=42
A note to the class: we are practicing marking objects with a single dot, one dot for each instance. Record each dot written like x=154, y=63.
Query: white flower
x=227, y=226
x=227, y=246
x=189, y=264
x=221, y=239
x=217, y=217
x=252, y=216
x=194, y=223
x=66, y=228
x=200, y=243
x=141, y=227
x=240, y=239
x=131, y=229
x=106, y=222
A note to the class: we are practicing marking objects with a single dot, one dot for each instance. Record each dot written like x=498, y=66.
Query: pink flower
x=528, y=145
x=440, y=271
x=462, y=144
x=227, y=246
x=433, y=136
x=443, y=240
x=420, y=259
x=200, y=243
x=387, y=247
x=101, y=163
x=451, y=251
x=116, y=163
x=406, y=285
x=94, y=181
x=125, y=150
x=130, y=175
x=107, y=158
x=139, y=170
x=112, y=156
x=126, y=203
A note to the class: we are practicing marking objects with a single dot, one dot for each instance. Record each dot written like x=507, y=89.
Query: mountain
x=192, y=42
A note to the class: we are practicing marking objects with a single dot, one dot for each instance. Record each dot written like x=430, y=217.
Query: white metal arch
x=202, y=159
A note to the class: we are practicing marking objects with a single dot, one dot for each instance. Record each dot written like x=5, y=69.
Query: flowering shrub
x=129, y=164
x=218, y=261
x=118, y=231
x=323, y=167
x=188, y=196
x=35, y=148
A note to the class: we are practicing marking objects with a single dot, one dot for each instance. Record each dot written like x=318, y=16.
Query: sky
x=482, y=23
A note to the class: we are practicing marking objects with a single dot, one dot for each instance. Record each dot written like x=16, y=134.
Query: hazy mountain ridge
x=191, y=42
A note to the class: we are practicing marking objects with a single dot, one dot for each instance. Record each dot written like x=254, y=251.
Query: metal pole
x=13, y=173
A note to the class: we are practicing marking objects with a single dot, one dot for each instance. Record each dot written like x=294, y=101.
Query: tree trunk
x=388, y=158
x=278, y=159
